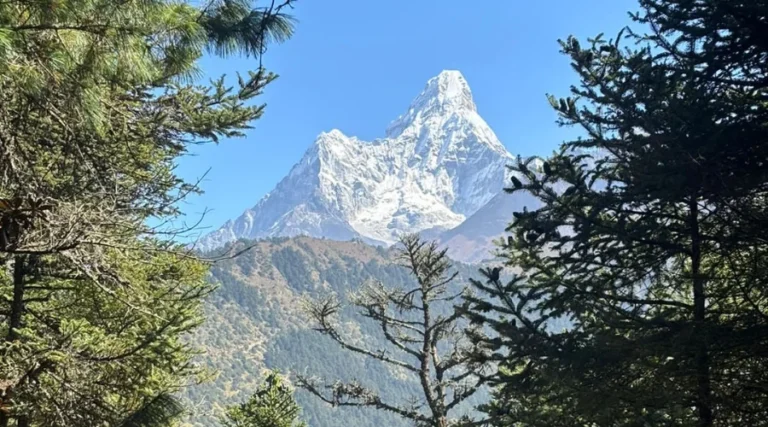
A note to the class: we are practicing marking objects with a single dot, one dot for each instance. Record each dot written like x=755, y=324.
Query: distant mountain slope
x=472, y=240
x=255, y=320
x=439, y=163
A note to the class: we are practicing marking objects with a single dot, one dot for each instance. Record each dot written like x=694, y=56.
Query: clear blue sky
x=355, y=65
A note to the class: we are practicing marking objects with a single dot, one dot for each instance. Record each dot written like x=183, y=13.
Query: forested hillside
x=255, y=321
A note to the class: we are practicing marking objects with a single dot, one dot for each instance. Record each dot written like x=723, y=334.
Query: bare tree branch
x=420, y=321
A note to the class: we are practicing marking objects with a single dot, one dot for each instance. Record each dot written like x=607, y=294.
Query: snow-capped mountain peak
x=439, y=163
x=443, y=96
x=447, y=90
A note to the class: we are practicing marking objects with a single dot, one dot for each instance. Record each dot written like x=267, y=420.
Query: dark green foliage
x=159, y=411
x=651, y=242
x=272, y=405
x=292, y=266
x=97, y=104
x=234, y=25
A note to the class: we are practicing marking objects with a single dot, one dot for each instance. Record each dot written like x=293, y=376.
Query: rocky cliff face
x=439, y=164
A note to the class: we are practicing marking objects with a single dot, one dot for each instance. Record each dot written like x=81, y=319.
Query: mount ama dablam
x=440, y=171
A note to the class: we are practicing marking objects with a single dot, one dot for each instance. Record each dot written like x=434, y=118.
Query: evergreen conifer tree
x=97, y=102
x=643, y=294
x=272, y=405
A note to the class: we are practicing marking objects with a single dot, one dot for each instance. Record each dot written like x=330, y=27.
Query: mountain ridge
x=438, y=164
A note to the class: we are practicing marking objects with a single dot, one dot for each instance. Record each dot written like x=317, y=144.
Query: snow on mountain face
x=438, y=164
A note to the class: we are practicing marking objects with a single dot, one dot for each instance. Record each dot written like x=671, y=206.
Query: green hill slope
x=255, y=321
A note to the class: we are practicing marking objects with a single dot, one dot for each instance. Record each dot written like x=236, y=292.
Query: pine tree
x=159, y=411
x=423, y=331
x=97, y=102
x=272, y=405
x=650, y=249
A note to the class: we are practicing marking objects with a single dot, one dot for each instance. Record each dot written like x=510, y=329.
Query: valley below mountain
x=255, y=321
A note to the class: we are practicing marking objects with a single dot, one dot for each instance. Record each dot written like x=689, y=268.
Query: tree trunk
x=424, y=369
x=704, y=388
x=14, y=323
x=17, y=305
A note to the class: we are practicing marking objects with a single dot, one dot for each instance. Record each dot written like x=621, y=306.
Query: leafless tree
x=425, y=331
